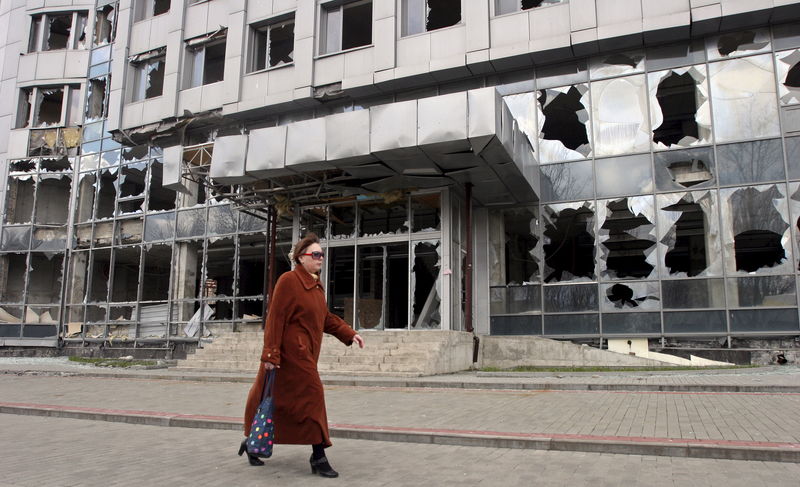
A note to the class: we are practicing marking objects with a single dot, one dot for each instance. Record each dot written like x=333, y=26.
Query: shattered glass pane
x=106, y=193
x=627, y=237
x=49, y=239
x=564, y=74
x=250, y=223
x=767, y=291
x=20, y=199
x=569, y=251
x=57, y=35
x=756, y=229
x=96, y=99
x=426, y=285
x=788, y=70
x=638, y=175
x=220, y=260
x=631, y=324
x=49, y=104
x=564, y=124
x=764, y=320
x=281, y=44
x=743, y=98
x=131, y=181
x=382, y=287
x=571, y=324
x=523, y=108
x=22, y=166
x=56, y=165
x=750, y=162
x=221, y=220
x=503, y=7
x=121, y=313
x=252, y=252
x=738, y=44
x=619, y=116
x=44, y=279
x=679, y=110
x=504, y=300
x=159, y=227
x=343, y=221
x=159, y=198
x=129, y=207
x=100, y=271
x=84, y=205
x=380, y=217
x=314, y=220
x=681, y=169
x=442, y=13
x=688, y=232
x=693, y=293
x=16, y=238
x=341, y=265
x=104, y=25
x=128, y=231
x=638, y=296
x=426, y=212
x=514, y=255
x=692, y=322
x=15, y=268
x=581, y=297
x=569, y=181
x=156, y=272
x=126, y=274
x=191, y=223
x=617, y=64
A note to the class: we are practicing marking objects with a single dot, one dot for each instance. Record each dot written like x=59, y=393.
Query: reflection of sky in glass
x=637, y=179
x=523, y=108
x=619, y=116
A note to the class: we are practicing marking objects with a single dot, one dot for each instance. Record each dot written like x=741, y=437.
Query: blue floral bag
x=261, y=431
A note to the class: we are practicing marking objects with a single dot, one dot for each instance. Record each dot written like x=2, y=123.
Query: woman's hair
x=303, y=244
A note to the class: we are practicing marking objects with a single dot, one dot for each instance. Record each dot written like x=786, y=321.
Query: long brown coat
x=297, y=317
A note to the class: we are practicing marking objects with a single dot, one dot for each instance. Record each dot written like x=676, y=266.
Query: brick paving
x=66, y=452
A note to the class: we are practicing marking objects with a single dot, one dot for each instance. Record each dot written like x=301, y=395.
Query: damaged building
x=577, y=170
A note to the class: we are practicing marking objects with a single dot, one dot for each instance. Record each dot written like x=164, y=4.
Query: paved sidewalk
x=95, y=453
x=719, y=425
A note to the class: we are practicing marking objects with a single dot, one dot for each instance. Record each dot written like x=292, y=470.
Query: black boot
x=322, y=467
x=254, y=460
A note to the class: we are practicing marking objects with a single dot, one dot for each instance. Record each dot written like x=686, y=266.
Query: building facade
x=575, y=169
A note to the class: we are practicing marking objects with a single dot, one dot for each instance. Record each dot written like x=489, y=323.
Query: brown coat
x=297, y=317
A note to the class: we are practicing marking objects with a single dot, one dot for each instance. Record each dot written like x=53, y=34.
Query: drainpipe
x=468, y=275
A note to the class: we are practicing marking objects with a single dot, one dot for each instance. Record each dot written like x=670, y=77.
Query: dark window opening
x=51, y=102
x=281, y=44
x=793, y=77
x=341, y=263
x=688, y=253
x=22, y=166
x=24, y=110
x=571, y=247
x=131, y=183
x=160, y=7
x=627, y=254
x=622, y=296
x=96, y=103
x=58, y=33
x=690, y=172
x=356, y=25
x=159, y=197
x=503, y=7
x=677, y=97
x=528, y=4
x=443, y=13
x=520, y=242
x=739, y=41
x=561, y=121
x=104, y=25
x=426, y=298
x=56, y=165
x=758, y=248
x=149, y=81
x=214, y=65
x=622, y=60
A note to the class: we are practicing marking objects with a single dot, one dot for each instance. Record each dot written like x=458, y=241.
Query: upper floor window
x=60, y=30
x=272, y=45
x=48, y=106
x=345, y=26
x=105, y=25
x=148, y=75
x=144, y=9
x=427, y=15
x=507, y=6
x=205, y=60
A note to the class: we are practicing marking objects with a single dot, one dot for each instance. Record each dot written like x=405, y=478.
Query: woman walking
x=297, y=318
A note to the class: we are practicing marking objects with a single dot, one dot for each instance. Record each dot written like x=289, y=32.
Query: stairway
x=390, y=353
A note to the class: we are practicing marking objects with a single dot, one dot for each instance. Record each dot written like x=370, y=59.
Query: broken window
x=44, y=280
x=425, y=212
x=693, y=293
x=514, y=257
x=126, y=274
x=314, y=220
x=100, y=272
x=156, y=272
x=96, y=99
x=568, y=181
x=20, y=199
x=568, y=242
x=756, y=229
x=106, y=193
x=105, y=25
x=346, y=26
x=158, y=197
x=627, y=237
x=381, y=217
x=52, y=200
x=682, y=169
x=61, y=164
x=205, y=64
x=343, y=221
x=788, y=64
x=750, y=162
x=619, y=116
x=616, y=64
x=341, y=265
x=84, y=206
x=22, y=166
x=128, y=231
x=563, y=120
x=637, y=296
x=502, y=7
x=221, y=220
x=55, y=31
x=738, y=44
x=743, y=98
x=768, y=291
x=24, y=107
x=220, y=258
x=426, y=285
x=427, y=15
x=680, y=113
x=689, y=234
x=131, y=181
x=382, y=287
x=48, y=108
x=12, y=280
x=638, y=175
x=145, y=9
x=16, y=238
x=148, y=78
x=272, y=45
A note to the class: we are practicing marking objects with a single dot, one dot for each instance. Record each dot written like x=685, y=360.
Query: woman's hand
x=357, y=338
x=269, y=366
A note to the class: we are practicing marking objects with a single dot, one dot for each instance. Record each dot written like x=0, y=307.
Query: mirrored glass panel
x=750, y=162
x=637, y=179
x=684, y=169
x=569, y=242
x=693, y=293
x=564, y=124
x=766, y=291
x=691, y=322
x=689, y=238
x=570, y=181
x=631, y=324
x=627, y=236
x=619, y=116
x=581, y=297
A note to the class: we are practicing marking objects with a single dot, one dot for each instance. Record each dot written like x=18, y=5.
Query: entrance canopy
x=468, y=137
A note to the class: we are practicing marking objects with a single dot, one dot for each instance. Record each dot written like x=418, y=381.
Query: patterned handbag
x=261, y=432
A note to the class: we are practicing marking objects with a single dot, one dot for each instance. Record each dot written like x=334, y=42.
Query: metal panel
x=393, y=126
x=266, y=153
x=228, y=160
x=484, y=107
x=347, y=137
x=442, y=119
x=171, y=177
x=305, y=143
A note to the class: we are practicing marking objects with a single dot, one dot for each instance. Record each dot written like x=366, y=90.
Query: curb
x=714, y=449
x=432, y=384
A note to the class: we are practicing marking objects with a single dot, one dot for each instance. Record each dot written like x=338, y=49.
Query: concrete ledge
x=717, y=449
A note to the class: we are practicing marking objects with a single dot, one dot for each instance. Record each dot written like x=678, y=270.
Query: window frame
x=265, y=28
x=138, y=72
x=71, y=106
x=37, y=33
x=326, y=9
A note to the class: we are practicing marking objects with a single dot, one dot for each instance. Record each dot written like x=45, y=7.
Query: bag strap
x=269, y=379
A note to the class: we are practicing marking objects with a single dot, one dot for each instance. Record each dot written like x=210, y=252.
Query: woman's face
x=309, y=263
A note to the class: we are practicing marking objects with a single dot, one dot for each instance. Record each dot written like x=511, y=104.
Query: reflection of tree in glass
x=751, y=162
x=561, y=121
x=566, y=181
